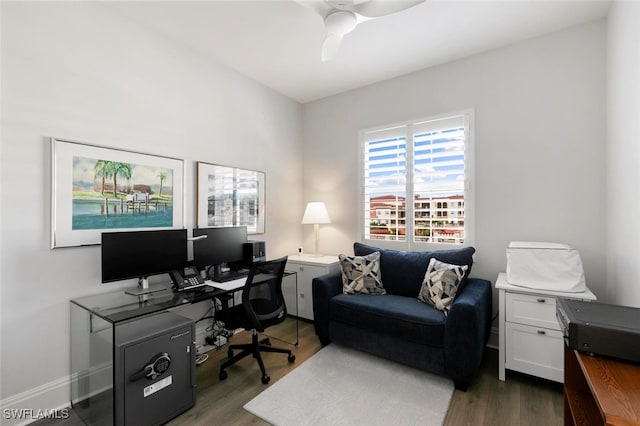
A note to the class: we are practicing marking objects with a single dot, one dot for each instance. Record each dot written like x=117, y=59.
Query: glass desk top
x=118, y=306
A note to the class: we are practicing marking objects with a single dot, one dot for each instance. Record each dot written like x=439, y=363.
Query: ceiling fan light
x=340, y=22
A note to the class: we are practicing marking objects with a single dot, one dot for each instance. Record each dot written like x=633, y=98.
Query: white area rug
x=341, y=386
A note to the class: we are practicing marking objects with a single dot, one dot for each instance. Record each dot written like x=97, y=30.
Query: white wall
x=623, y=153
x=79, y=71
x=539, y=145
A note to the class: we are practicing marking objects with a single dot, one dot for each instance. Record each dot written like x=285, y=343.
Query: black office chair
x=262, y=306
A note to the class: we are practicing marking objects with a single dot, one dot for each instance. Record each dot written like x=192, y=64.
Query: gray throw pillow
x=440, y=284
x=361, y=274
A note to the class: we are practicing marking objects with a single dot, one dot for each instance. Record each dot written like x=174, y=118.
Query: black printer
x=600, y=328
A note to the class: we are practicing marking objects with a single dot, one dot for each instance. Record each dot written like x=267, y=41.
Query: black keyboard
x=231, y=275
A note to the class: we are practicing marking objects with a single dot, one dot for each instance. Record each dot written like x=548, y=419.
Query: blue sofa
x=397, y=326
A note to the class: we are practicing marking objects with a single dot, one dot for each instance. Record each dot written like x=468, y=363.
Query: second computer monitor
x=222, y=245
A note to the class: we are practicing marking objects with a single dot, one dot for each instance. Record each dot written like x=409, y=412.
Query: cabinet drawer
x=528, y=309
x=306, y=272
x=535, y=350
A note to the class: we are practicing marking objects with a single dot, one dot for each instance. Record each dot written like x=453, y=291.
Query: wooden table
x=600, y=390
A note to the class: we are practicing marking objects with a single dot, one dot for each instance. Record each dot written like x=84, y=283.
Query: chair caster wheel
x=265, y=379
x=267, y=342
x=291, y=358
x=223, y=375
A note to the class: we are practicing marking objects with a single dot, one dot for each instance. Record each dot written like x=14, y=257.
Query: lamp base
x=316, y=230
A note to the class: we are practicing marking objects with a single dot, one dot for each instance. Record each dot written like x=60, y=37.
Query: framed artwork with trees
x=96, y=189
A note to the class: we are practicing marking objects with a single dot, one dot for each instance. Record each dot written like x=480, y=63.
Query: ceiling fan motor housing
x=340, y=22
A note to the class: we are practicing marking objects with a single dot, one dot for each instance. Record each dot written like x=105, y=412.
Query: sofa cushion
x=440, y=284
x=361, y=274
x=402, y=317
x=403, y=271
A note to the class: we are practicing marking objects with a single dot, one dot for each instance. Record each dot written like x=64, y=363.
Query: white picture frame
x=97, y=189
x=231, y=196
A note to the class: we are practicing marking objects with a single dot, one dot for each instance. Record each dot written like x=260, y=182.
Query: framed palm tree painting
x=96, y=189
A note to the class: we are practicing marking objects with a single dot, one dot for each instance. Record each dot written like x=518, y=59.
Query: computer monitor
x=222, y=245
x=140, y=254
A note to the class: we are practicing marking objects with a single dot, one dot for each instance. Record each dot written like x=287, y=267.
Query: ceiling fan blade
x=342, y=16
x=330, y=46
x=377, y=8
x=338, y=23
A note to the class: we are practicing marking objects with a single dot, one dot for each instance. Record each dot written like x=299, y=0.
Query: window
x=416, y=182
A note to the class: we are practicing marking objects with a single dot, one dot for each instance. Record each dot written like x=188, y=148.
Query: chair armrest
x=467, y=330
x=324, y=288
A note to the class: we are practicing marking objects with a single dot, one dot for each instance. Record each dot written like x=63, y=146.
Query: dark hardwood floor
x=520, y=400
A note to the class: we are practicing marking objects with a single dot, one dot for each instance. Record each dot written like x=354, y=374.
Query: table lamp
x=315, y=213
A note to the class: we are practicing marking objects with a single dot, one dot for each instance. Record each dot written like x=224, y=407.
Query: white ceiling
x=277, y=43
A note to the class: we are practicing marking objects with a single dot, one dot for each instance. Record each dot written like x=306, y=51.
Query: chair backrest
x=262, y=294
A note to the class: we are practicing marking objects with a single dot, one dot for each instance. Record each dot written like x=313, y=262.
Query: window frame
x=469, y=185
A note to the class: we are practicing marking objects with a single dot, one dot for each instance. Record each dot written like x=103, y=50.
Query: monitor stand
x=217, y=271
x=144, y=288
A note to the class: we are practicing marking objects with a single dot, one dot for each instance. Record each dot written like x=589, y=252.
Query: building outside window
x=416, y=182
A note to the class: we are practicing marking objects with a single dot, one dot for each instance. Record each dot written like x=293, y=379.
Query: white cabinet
x=308, y=267
x=530, y=338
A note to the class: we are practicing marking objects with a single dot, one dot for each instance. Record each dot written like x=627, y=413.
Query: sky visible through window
x=438, y=173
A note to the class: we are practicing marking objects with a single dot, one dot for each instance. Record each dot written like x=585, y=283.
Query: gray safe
x=154, y=369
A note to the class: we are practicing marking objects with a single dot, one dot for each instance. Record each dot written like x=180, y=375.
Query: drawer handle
x=541, y=300
x=542, y=332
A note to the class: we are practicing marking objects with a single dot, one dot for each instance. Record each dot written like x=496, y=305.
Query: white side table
x=308, y=267
x=530, y=338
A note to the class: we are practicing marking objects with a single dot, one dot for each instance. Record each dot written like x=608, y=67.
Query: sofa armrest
x=324, y=288
x=467, y=330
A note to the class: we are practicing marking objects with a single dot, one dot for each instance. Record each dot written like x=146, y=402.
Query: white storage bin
x=545, y=266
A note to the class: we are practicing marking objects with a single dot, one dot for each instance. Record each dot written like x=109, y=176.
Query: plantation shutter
x=385, y=183
x=416, y=181
x=439, y=180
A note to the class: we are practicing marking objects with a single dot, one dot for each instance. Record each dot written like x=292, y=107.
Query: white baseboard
x=50, y=400
x=47, y=400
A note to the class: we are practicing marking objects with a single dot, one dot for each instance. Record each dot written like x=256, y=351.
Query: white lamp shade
x=316, y=212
